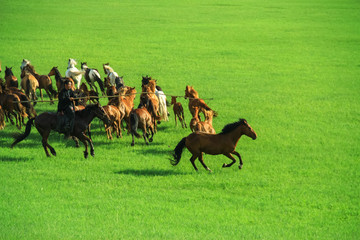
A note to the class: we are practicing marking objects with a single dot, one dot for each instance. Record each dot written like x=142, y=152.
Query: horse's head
x=71, y=62
x=187, y=91
x=173, y=100
x=84, y=65
x=52, y=71
x=106, y=68
x=24, y=63
x=247, y=129
x=8, y=71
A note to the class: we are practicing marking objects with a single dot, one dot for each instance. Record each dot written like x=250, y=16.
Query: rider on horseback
x=66, y=107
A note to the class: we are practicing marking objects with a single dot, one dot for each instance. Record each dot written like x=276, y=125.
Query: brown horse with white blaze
x=214, y=144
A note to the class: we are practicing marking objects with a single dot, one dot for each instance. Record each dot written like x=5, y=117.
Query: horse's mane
x=232, y=126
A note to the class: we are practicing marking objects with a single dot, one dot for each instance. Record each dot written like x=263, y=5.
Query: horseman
x=66, y=108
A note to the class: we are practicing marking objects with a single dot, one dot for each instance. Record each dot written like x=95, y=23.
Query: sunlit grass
x=290, y=68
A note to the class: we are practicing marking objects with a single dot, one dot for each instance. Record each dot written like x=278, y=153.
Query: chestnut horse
x=46, y=122
x=195, y=101
x=11, y=80
x=44, y=83
x=206, y=126
x=29, y=84
x=178, y=112
x=115, y=117
x=141, y=118
x=223, y=143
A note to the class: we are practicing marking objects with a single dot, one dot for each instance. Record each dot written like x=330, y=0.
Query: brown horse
x=46, y=122
x=141, y=118
x=195, y=120
x=11, y=80
x=223, y=143
x=178, y=112
x=44, y=83
x=115, y=117
x=126, y=102
x=59, y=79
x=195, y=101
x=206, y=126
x=12, y=107
x=2, y=118
x=29, y=84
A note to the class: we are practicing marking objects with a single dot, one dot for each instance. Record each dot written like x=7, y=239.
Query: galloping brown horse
x=46, y=122
x=223, y=143
x=141, y=118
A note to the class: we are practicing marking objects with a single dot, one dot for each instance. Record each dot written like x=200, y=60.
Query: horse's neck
x=57, y=75
x=88, y=117
x=236, y=134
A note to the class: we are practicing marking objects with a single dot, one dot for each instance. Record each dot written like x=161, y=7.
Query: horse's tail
x=177, y=152
x=134, y=121
x=25, y=134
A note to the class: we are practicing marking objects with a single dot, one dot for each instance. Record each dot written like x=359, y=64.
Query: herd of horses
x=118, y=115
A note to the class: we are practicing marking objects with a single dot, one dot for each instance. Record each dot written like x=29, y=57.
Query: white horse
x=74, y=73
x=24, y=63
x=92, y=75
x=162, y=104
x=112, y=75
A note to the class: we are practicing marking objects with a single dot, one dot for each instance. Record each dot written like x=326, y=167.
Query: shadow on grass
x=15, y=159
x=150, y=172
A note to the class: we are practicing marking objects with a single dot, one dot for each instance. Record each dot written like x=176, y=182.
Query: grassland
x=290, y=68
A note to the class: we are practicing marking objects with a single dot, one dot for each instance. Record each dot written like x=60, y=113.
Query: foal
x=178, y=112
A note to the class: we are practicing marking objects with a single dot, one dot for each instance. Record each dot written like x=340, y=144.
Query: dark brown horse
x=11, y=80
x=59, y=79
x=46, y=122
x=223, y=143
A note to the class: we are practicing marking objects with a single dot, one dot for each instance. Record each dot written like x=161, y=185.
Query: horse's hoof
x=86, y=154
x=224, y=165
x=150, y=140
x=147, y=143
x=240, y=167
x=210, y=171
x=132, y=144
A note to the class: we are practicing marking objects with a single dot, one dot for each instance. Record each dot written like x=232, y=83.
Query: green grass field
x=290, y=68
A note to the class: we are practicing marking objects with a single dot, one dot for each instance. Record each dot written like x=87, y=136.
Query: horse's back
x=46, y=120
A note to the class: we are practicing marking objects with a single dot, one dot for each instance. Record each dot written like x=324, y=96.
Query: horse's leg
x=89, y=130
x=48, y=93
x=133, y=140
x=92, y=152
x=175, y=120
x=202, y=162
x=41, y=94
x=144, y=134
x=183, y=119
x=76, y=140
x=81, y=137
x=231, y=157
x=192, y=160
x=45, y=135
x=152, y=133
x=238, y=155
x=119, y=128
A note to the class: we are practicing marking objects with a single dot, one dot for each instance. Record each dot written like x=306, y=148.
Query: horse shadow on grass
x=150, y=172
x=14, y=159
